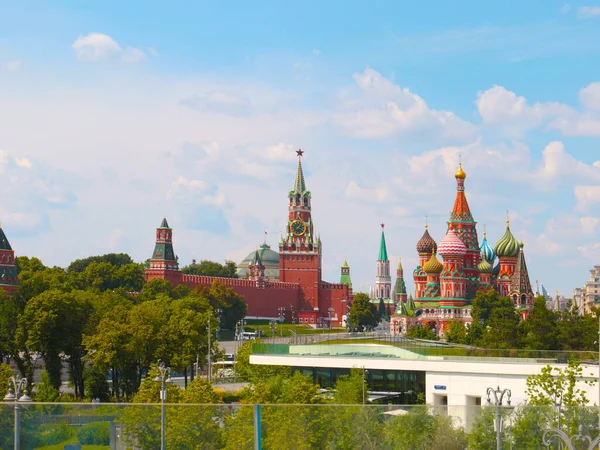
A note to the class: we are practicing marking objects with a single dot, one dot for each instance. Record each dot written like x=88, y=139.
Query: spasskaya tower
x=299, y=249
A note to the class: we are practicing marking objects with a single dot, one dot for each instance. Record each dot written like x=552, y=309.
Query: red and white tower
x=9, y=279
x=465, y=228
x=299, y=249
x=164, y=263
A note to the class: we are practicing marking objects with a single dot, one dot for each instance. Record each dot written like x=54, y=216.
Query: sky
x=115, y=114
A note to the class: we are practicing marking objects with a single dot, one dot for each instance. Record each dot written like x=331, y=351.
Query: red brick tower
x=300, y=250
x=9, y=280
x=164, y=263
x=465, y=227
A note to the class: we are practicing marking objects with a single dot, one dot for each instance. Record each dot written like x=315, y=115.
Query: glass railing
x=324, y=426
x=394, y=347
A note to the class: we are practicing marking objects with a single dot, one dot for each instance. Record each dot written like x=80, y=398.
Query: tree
x=212, y=269
x=233, y=306
x=255, y=372
x=362, y=313
x=114, y=259
x=457, y=332
x=381, y=309
x=501, y=321
x=52, y=324
x=9, y=312
x=541, y=331
x=421, y=332
x=545, y=388
x=348, y=389
x=577, y=332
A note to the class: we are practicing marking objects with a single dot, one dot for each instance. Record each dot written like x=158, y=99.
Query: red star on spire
x=299, y=152
x=382, y=226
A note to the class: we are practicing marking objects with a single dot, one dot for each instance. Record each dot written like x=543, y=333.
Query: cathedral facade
x=444, y=290
x=299, y=289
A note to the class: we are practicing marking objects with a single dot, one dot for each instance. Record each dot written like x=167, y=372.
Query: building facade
x=589, y=295
x=444, y=290
x=9, y=277
x=299, y=288
x=382, y=291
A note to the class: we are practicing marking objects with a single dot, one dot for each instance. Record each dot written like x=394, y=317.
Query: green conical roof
x=383, y=256
x=4, y=244
x=164, y=224
x=410, y=304
x=403, y=311
x=299, y=184
x=345, y=265
x=257, y=261
x=345, y=277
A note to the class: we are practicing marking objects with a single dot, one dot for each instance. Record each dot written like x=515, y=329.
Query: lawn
x=287, y=329
x=61, y=446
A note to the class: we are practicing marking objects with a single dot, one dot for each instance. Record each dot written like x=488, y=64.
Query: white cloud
x=558, y=165
x=96, y=47
x=382, y=109
x=13, y=66
x=113, y=238
x=355, y=192
x=565, y=9
x=589, y=96
x=316, y=52
x=587, y=196
x=503, y=108
x=589, y=225
x=195, y=191
x=278, y=153
x=588, y=12
x=219, y=102
x=22, y=162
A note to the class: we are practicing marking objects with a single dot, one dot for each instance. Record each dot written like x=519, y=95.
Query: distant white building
x=588, y=296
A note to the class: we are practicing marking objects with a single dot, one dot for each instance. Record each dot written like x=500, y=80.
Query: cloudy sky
x=114, y=114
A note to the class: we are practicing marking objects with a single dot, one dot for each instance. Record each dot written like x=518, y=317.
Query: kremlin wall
x=291, y=278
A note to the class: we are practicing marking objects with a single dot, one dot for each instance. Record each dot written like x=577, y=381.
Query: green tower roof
x=4, y=244
x=164, y=224
x=345, y=278
x=299, y=183
x=383, y=256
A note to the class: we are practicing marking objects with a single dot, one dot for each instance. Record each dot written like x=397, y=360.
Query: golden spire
x=426, y=222
x=460, y=173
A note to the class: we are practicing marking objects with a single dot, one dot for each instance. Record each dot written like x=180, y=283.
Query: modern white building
x=399, y=374
x=589, y=295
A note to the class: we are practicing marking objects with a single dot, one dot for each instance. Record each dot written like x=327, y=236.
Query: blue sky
x=114, y=114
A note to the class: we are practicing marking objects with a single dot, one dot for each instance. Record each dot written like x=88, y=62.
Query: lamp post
x=365, y=373
x=272, y=323
x=498, y=398
x=163, y=377
x=219, y=312
x=330, y=312
x=15, y=385
x=281, y=310
x=569, y=441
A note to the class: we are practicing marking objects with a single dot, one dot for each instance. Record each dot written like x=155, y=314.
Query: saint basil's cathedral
x=444, y=290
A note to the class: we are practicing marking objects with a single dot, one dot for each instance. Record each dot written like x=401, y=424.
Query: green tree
x=504, y=328
x=53, y=323
x=114, y=259
x=381, y=309
x=577, y=332
x=255, y=372
x=545, y=388
x=362, y=313
x=155, y=287
x=457, y=332
x=9, y=312
x=233, y=306
x=541, y=331
x=348, y=389
x=421, y=332
x=212, y=269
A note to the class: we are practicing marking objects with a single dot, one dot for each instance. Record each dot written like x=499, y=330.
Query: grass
x=73, y=440
x=287, y=329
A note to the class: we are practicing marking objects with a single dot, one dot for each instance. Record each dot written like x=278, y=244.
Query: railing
x=326, y=425
x=315, y=344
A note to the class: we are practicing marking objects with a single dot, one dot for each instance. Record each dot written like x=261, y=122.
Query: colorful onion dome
x=460, y=173
x=451, y=245
x=433, y=265
x=485, y=266
x=507, y=246
x=426, y=244
x=487, y=252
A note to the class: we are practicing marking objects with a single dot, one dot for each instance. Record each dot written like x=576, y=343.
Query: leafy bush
x=94, y=433
x=52, y=433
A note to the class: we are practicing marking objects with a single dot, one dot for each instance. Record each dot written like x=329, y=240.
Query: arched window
x=523, y=299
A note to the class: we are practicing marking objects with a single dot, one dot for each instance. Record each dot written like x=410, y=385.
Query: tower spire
x=299, y=183
x=383, y=256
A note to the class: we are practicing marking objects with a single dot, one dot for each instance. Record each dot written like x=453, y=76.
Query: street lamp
x=15, y=385
x=569, y=441
x=330, y=313
x=498, y=397
x=219, y=312
x=163, y=377
x=281, y=310
x=365, y=374
x=272, y=323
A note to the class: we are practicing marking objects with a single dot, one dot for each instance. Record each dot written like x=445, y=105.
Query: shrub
x=52, y=433
x=94, y=433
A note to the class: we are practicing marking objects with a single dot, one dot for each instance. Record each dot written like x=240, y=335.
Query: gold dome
x=460, y=173
x=433, y=265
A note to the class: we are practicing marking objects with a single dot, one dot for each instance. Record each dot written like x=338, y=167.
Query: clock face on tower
x=298, y=227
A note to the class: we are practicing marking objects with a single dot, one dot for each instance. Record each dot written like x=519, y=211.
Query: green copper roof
x=4, y=244
x=345, y=265
x=345, y=279
x=299, y=184
x=164, y=224
x=410, y=304
x=383, y=256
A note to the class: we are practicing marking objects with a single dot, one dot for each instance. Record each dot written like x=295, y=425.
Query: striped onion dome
x=451, y=245
x=433, y=265
x=426, y=244
x=485, y=266
x=487, y=252
x=507, y=246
